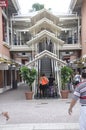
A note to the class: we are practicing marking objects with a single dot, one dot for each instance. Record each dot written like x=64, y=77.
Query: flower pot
x=64, y=94
x=29, y=95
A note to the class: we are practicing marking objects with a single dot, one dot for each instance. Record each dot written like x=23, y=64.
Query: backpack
x=44, y=81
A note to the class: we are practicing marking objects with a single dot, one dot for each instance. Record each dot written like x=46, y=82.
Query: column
x=78, y=30
x=7, y=40
x=17, y=37
x=11, y=33
x=20, y=39
x=83, y=27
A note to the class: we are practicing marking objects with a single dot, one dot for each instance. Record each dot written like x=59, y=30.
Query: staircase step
x=41, y=126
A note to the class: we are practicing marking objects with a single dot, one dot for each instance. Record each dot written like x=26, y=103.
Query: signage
x=3, y=3
x=3, y=66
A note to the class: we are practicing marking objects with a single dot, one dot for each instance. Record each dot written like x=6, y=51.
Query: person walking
x=80, y=93
x=43, y=81
x=77, y=79
x=51, y=85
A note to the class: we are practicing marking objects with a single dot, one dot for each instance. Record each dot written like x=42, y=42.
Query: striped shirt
x=80, y=92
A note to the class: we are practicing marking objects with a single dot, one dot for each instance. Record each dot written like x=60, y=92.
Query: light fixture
x=83, y=62
x=13, y=66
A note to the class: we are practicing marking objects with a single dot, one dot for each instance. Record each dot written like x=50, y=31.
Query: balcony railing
x=21, y=48
x=70, y=40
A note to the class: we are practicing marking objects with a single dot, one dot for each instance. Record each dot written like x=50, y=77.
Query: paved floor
x=37, y=111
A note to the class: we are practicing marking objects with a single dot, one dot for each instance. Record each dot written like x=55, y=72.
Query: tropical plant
x=37, y=6
x=66, y=73
x=28, y=75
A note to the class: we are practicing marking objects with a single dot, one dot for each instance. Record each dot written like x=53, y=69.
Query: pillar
x=83, y=27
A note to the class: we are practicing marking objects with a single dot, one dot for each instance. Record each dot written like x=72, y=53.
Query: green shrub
x=66, y=73
x=28, y=75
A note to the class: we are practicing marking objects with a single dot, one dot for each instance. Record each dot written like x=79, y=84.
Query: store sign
x=3, y=66
x=3, y=3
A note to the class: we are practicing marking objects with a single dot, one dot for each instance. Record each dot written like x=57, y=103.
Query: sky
x=59, y=6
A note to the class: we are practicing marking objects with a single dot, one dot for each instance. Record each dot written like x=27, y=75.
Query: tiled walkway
x=37, y=114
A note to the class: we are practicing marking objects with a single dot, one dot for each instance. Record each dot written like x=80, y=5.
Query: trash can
x=14, y=84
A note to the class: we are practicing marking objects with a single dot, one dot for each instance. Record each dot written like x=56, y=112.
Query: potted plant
x=28, y=75
x=66, y=73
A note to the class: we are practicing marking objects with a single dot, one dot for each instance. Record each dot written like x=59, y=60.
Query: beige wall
x=74, y=56
x=83, y=29
x=5, y=51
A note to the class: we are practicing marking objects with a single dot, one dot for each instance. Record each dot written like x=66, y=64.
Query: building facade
x=42, y=39
x=8, y=73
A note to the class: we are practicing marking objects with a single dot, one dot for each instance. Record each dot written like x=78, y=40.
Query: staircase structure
x=25, y=36
x=46, y=44
x=42, y=42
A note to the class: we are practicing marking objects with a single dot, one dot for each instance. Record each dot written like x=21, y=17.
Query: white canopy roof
x=46, y=53
x=44, y=34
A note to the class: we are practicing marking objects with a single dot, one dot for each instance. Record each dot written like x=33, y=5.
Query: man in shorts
x=80, y=93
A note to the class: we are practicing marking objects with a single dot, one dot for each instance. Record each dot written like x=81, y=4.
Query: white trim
x=43, y=54
x=42, y=21
x=47, y=11
x=43, y=34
